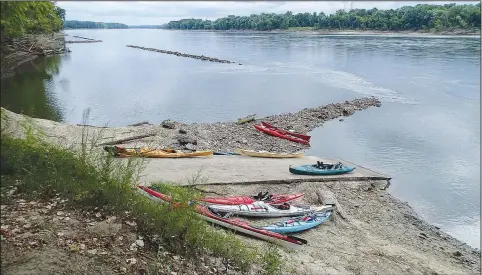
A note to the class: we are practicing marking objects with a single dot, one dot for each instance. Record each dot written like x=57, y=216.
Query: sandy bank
x=371, y=233
x=377, y=234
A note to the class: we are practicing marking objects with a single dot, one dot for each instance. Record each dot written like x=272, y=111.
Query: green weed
x=92, y=178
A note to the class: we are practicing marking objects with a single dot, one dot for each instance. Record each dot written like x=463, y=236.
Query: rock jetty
x=200, y=57
x=82, y=41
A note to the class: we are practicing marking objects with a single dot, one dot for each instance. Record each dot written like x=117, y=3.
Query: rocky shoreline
x=221, y=136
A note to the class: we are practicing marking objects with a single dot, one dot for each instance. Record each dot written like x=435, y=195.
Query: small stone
x=123, y=269
x=60, y=213
x=111, y=219
x=140, y=243
x=98, y=215
x=92, y=251
x=168, y=124
x=182, y=131
x=131, y=261
x=457, y=254
x=60, y=234
x=82, y=246
x=131, y=223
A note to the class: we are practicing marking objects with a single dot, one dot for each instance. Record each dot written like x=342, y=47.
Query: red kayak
x=279, y=133
x=305, y=137
x=235, y=224
x=268, y=198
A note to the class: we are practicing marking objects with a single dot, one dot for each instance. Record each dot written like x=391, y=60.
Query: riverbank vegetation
x=29, y=17
x=41, y=170
x=422, y=17
x=75, y=24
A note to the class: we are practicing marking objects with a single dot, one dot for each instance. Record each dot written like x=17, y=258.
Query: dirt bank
x=18, y=51
x=377, y=234
x=47, y=237
x=222, y=136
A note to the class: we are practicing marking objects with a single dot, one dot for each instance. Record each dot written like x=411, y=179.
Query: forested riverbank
x=419, y=18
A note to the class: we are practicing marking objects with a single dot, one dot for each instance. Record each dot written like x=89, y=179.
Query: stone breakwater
x=200, y=57
x=82, y=41
x=85, y=38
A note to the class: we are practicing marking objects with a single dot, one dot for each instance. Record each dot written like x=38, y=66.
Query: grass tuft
x=92, y=178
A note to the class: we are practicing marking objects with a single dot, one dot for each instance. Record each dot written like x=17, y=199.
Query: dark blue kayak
x=321, y=169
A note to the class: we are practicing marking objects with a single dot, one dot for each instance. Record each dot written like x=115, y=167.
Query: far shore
x=457, y=33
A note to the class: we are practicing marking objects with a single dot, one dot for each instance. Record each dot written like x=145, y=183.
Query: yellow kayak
x=155, y=153
x=266, y=154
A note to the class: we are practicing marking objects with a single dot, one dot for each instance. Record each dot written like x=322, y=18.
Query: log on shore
x=119, y=141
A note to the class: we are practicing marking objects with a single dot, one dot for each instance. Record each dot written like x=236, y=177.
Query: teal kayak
x=299, y=224
x=321, y=169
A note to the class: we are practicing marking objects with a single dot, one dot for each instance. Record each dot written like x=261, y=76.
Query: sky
x=157, y=13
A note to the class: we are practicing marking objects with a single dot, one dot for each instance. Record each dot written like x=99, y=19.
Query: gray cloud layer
x=153, y=13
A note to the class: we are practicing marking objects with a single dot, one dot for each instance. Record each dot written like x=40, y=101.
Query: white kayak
x=262, y=209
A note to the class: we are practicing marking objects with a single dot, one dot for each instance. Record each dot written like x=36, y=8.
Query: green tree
x=27, y=17
x=419, y=17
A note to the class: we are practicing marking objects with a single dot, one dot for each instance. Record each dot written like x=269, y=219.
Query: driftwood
x=327, y=197
x=86, y=125
x=139, y=123
x=119, y=141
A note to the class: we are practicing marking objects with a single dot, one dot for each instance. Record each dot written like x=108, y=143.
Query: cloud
x=147, y=13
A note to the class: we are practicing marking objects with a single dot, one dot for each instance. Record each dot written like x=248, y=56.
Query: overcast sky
x=156, y=13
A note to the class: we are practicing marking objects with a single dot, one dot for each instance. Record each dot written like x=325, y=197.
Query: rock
x=457, y=254
x=131, y=223
x=379, y=104
x=131, y=261
x=92, y=251
x=183, y=140
x=182, y=131
x=168, y=124
x=341, y=119
x=105, y=229
x=140, y=243
x=347, y=111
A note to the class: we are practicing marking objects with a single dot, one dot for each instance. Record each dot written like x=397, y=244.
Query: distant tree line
x=420, y=17
x=18, y=18
x=75, y=24
x=144, y=26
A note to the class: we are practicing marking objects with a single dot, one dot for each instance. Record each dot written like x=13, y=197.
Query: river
x=426, y=135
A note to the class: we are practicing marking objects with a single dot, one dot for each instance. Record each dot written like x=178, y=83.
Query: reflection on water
x=29, y=91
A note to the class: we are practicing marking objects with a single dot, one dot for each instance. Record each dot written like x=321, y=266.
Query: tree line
x=75, y=24
x=18, y=18
x=425, y=17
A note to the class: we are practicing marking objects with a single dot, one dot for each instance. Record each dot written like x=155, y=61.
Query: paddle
x=303, y=241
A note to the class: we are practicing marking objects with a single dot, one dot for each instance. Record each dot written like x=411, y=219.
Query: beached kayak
x=266, y=197
x=299, y=224
x=208, y=214
x=262, y=209
x=154, y=153
x=305, y=137
x=279, y=133
x=266, y=154
x=321, y=169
